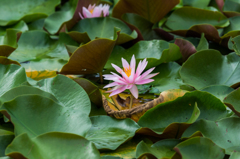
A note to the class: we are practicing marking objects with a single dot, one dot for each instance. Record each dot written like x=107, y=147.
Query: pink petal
x=129, y=86
x=97, y=12
x=125, y=63
x=117, y=91
x=141, y=66
x=134, y=91
x=133, y=63
x=150, y=75
x=111, y=85
x=131, y=77
x=86, y=13
x=118, y=69
x=144, y=81
x=147, y=72
x=81, y=16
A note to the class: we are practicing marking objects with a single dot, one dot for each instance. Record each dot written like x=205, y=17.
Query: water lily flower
x=129, y=78
x=95, y=11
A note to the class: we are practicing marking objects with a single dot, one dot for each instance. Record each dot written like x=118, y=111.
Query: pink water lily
x=95, y=11
x=129, y=78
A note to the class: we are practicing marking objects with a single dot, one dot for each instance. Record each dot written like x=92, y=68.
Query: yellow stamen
x=91, y=11
x=127, y=71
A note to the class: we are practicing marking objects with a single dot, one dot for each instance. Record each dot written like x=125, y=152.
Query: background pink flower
x=129, y=78
x=95, y=11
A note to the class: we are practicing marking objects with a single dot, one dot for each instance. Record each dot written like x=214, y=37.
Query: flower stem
x=101, y=77
x=131, y=101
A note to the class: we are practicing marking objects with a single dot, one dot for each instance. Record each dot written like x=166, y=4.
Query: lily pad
x=6, y=138
x=199, y=148
x=219, y=91
x=11, y=76
x=20, y=26
x=186, y=48
x=91, y=57
x=151, y=10
x=8, y=42
x=32, y=48
x=109, y=133
x=5, y=61
x=200, y=70
x=232, y=101
x=160, y=149
x=101, y=28
x=26, y=10
x=56, y=118
x=192, y=106
x=47, y=146
x=168, y=77
x=156, y=52
x=194, y=16
x=196, y=3
x=224, y=133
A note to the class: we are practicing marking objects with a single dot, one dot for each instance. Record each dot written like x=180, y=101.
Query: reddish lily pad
x=151, y=10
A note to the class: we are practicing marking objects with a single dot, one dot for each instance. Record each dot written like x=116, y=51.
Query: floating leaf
x=109, y=133
x=160, y=149
x=91, y=57
x=189, y=107
x=235, y=155
x=219, y=91
x=232, y=101
x=186, y=48
x=8, y=42
x=151, y=10
x=101, y=28
x=199, y=148
x=5, y=61
x=6, y=138
x=200, y=70
x=26, y=10
x=91, y=89
x=168, y=77
x=203, y=44
x=47, y=146
x=194, y=16
x=156, y=52
x=11, y=76
x=20, y=26
x=231, y=8
x=224, y=133
x=196, y=3
x=67, y=17
x=32, y=48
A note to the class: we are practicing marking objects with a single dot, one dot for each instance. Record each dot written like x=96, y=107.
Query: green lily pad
x=11, y=76
x=26, y=10
x=142, y=26
x=91, y=89
x=8, y=42
x=6, y=138
x=236, y=45
x=91, y=57
x=233, y=28
x=203, y=43
x=194, y=16
x=192, y=106
x=126, y=150
x=160, y=149
x=37, y=44
x=196, y=3
x=151, y=10
x=101, y=28
x=199, y=148
x=235, y=155
x=43, y=68
x=109, y=133
x=219, y=91
x=232, y=101
x=67, y=17
x=20, y=26
x=37, y=24
x=200, y=70
x=156, y=52
x=224, y=133
x=56, y=118
x=47, y=146
x=168, y=77
x=231, y=8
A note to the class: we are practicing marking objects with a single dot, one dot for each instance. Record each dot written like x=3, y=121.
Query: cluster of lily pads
x=53, y=54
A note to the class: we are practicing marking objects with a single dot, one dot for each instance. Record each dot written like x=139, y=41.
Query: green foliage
x=51, y=67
